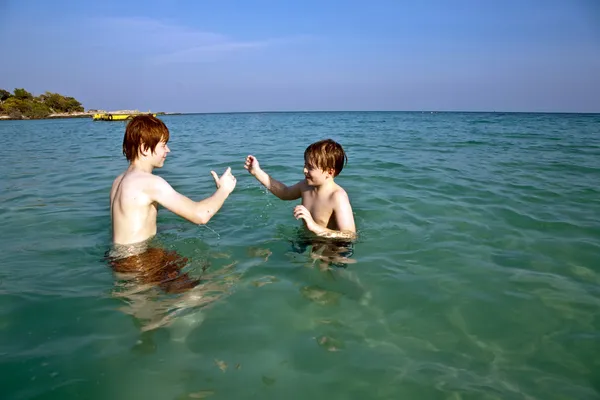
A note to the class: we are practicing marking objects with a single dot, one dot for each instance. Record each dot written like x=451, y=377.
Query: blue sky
x=222, y=56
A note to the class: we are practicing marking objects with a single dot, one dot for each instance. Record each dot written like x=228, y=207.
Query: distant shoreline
x=90, y=114
x=393, y=111
x=86, y=114
x=51, y=116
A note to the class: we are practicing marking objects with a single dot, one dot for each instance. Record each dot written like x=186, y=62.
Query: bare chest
x=320, y=208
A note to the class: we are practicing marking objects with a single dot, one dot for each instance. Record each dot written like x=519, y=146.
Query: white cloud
x=166, y=42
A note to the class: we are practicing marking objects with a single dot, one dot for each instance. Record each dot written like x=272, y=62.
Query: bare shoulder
x=117, y=180
x=160, y=183
x=296, y=190
x=344, y=214
x=115, y=185
x=339, y=195
x=302, y=185
x=139, y=182
x=144, y=181
x=157, y=187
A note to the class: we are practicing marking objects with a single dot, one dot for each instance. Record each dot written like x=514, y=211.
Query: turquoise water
x=476, y=275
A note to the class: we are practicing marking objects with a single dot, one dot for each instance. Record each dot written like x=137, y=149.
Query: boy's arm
x=343, y=217
x=279, y=189
x=199, y=212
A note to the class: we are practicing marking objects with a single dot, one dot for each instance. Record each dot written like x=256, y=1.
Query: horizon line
x=375, y=111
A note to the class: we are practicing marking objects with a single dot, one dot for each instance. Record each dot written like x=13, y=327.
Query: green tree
x=22, y=94
x=37, y=110
x=13, y=103
x=4, y=94
x=17, y=108
x=24, y=105
x=73, y=105
x=55, y=101
x=14, y=107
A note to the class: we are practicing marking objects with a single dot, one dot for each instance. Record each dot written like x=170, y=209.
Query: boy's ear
x=331, y=171
x=144, y=149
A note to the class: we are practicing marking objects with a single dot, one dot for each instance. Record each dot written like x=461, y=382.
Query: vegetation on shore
x=23, y=105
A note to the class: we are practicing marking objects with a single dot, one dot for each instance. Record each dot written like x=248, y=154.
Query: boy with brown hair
x=325, y=207
x=136, y=193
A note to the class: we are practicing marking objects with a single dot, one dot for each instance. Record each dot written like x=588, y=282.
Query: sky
x=267, y=55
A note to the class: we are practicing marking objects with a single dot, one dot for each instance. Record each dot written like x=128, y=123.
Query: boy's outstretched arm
x=343, y=217
x=277, y=188
x=198, y=212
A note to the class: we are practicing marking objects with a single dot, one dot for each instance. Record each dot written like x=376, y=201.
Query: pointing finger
x=215, y=176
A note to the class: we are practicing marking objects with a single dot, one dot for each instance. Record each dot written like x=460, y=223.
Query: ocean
x=476, y=274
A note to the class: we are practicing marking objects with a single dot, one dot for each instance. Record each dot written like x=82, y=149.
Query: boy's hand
x=252, y=165
x=227, y=181
x=301, y=212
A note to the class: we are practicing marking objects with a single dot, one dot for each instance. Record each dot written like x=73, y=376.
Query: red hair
x=143, y=132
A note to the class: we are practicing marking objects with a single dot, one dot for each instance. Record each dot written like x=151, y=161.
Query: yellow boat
x=116, y=116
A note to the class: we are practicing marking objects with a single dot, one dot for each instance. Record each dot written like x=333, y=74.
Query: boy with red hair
x=136, y=193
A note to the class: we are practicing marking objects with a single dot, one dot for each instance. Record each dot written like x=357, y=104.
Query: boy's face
x=315, y=176
x=157, y=158
x=160, y=153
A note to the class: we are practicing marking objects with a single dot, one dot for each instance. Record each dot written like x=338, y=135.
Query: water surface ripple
x=476, y=275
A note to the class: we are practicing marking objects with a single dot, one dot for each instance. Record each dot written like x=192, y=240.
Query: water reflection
x=332, y=280
x=158, y=286
x=330, y=252
x=156, y=266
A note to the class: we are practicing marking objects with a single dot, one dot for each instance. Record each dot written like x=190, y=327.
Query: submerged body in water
x=147, y=277
x=337, y=253
x=154, y=266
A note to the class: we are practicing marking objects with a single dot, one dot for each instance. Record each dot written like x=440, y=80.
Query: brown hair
x=326, y=154
x=143, y=132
